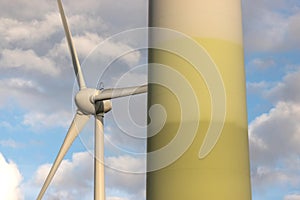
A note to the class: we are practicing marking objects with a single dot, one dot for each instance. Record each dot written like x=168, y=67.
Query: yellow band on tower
x=222, y=171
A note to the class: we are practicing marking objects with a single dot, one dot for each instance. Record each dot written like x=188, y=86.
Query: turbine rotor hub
x=84, y=101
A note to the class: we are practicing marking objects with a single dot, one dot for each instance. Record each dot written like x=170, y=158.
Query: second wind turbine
x=89, y=101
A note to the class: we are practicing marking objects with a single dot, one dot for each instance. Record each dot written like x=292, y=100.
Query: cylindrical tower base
x=214, y=165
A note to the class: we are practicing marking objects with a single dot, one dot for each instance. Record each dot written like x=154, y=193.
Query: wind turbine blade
x=99, y=178
x=72, y=49
x=120, y=92
x=76, y=126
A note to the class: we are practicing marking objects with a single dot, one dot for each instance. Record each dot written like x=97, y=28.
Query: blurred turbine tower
x=214, y=164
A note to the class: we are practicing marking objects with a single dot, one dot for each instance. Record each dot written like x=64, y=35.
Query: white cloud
x=264, y=177
x=9, y=143
x=292, y=197
x=293, y=30
x=28, y=60
x=124, y=14
x=261, y=64
x=129, y=177
x=270, y=25
x=115, y=49
x=257, y=87
x=26, y=10
x=74, y=178
x=26, y=93
x=84, y=45
x=88, y=41
x=19, y=89
x=13, y=30
x=119, y=142
x=274, y=144
x=39, y=120
x=274, y=136
x=42, y=107
x=92, y=23
x=286, y=90
x=19, y=83
x=127, y=164
x=5, y=124
x=270, y=35
x=10, y=180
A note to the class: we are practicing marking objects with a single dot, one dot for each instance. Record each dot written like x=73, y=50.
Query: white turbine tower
x=89, y=102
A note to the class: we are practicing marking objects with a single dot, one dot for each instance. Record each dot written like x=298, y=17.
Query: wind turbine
x=89, y=101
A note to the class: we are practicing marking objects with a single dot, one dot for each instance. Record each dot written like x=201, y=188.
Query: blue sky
x=36, y=88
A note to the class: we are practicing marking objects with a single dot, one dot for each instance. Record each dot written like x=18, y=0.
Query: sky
x=37, y=87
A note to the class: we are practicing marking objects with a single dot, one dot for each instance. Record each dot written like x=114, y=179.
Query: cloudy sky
x=37, y=85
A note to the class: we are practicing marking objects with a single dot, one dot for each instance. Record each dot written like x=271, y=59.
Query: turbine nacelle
x=86, y=103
